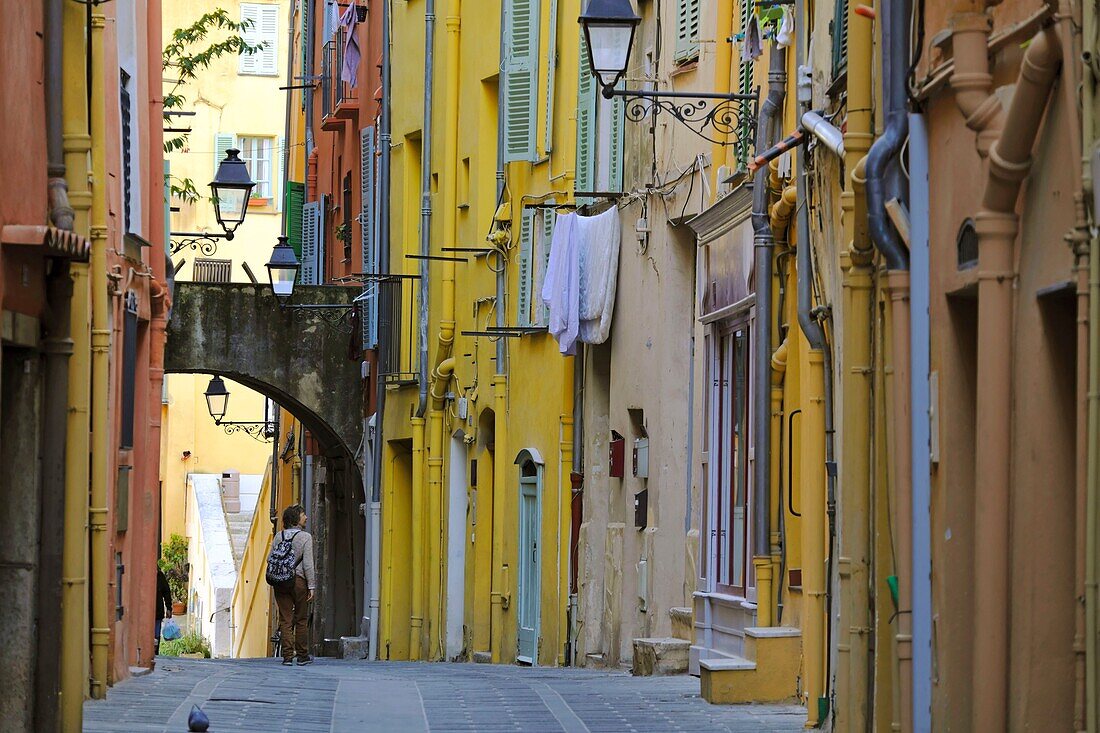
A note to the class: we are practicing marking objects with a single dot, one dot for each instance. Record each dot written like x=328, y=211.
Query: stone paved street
x=330, y=695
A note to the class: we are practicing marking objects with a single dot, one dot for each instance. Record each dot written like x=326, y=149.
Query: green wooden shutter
x=542, y=313
x=523, y=300
x=223, y=141
x=520, y=79
x=368, y=232
x=840, y=38
x=551, y=63
x=687, y=30
x=295, y=197
x=586, y=126
x=615, y=144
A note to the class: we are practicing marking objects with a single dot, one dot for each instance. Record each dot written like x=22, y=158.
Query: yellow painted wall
x=539, y=387
x=192, y=443
x=252, y=595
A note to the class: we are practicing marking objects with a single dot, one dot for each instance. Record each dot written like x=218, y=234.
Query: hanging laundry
x=599, y=273
x=753, y=45
x=785, y=36
x=349, y=72
x=561, y=284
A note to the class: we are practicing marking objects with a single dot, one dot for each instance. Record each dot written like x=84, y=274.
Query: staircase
x=665, y=655
x=767, y=673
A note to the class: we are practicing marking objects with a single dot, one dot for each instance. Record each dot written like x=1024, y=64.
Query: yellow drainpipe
x=813, y=530
x=101, y=344
x=441, y=375
x=854, y=540
x=564, y=502
x=499, y=595
x=74, y=589
x=446, y=334
x=416, y=615
x=768, y=567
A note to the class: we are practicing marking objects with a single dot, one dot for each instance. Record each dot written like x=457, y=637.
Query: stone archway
x=309, y=363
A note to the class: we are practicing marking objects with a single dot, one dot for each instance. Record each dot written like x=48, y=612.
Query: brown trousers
x=294, y=619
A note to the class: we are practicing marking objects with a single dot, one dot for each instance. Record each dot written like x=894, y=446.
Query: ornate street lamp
x=282, y=271
x=230, y=189
x=609, y=27
x=217, y=400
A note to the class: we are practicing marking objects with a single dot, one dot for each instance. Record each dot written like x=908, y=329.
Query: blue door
x=528, y=580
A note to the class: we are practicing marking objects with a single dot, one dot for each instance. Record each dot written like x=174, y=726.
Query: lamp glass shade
x=609, y=27
x=217, y=398
x=609, y=50
x=231, y=189
x=282, y=270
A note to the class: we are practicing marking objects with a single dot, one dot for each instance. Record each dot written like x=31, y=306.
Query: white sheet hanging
x=599, y=270
x=561, y=285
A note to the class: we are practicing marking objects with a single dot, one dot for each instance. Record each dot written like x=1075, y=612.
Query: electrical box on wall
x=641, y=509
x=617, y=458
x=641, y=457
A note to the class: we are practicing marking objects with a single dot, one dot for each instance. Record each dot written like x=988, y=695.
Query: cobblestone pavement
x=377, y=697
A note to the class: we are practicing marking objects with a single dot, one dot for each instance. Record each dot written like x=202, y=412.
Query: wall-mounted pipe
x=385, y=318
x=997, y=226
x=828, y=134
x=426, y=206
x=971, y=80
x=309, y=8
x=763, y=245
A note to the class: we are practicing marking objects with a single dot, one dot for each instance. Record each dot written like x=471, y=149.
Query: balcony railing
x=334, y=91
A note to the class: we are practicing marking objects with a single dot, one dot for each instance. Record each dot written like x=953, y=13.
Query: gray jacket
x=302, y=542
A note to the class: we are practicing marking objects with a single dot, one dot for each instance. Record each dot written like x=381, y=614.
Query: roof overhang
x=53, y=241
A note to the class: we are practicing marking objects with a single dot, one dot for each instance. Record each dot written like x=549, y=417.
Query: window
x=687, y=30
x=256, y=153
x=126, y=110
x=600, y=135
x=212, y=271
x=745, y=87
x=840, y=38
x=263, y=30
x=727, y=511
x=129, y=369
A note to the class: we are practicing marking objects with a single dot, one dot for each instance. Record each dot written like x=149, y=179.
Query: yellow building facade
x=476, y=461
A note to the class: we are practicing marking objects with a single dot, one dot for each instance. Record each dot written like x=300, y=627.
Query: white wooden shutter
x=520, y=80
x=586, y=126
x=311, y=233
x=687, y=30
x=368, y=231
x=551, y=63
x=263, y=31
x=223, y=141
x=542, y=313
x=617, y=129
x=277, y=165
x=269, y=35
x=526, y=237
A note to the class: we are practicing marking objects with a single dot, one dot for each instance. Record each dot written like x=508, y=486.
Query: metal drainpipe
x=501, y=322
x=307, y=73
x=384, y=319
x=763, y=244
x=920, y=357
x=426, y=203
x=286, y=121
x=57, y=347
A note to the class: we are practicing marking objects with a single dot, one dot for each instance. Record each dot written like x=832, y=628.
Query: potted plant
x=173, y=563
x=343, y=233
x=191, y=645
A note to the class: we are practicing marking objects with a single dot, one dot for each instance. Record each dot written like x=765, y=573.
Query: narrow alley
x=332, y=695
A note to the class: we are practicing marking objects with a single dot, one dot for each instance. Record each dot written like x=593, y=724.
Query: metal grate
x=213, y=271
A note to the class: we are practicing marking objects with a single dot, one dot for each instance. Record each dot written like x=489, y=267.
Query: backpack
x=281, y=564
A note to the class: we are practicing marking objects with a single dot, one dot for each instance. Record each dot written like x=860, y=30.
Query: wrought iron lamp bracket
x=332, y=315
x=723, y=119
x=206, y=244
x=262, y=431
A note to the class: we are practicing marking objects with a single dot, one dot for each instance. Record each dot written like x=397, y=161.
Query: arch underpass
x=308, y=361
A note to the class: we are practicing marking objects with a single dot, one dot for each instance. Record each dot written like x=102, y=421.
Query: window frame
x=265, y=187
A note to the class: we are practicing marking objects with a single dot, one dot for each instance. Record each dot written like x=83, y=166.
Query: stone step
x=660, y=656
x=681, y=623
x=767, y=673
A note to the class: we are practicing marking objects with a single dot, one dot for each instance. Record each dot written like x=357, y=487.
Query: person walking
x=293, y=598
x=164, y=607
